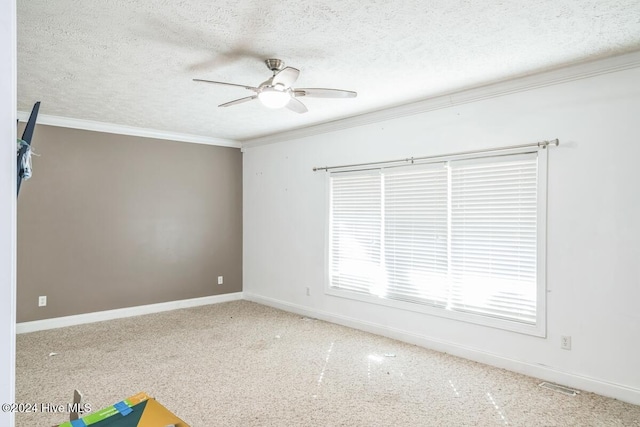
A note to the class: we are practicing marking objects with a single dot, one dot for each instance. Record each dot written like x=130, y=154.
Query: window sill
x=538, y=330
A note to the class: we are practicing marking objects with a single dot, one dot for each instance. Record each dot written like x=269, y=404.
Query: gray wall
x=110, y=221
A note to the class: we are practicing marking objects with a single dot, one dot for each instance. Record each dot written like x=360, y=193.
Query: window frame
x=539, y=329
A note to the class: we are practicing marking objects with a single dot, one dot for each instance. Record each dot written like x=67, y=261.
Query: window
x=460, y=237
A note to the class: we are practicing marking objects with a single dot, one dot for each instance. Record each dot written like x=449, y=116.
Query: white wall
x=593, y=266
x=7, y=205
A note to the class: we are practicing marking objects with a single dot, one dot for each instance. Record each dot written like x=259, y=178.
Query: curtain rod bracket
x=545, y=144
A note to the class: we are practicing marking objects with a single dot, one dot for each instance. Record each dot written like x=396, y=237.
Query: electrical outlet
x=565, y=342
x=220, y=280
x=308, y=291
x=42, y=301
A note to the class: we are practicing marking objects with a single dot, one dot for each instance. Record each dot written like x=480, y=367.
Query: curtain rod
x=541, y=144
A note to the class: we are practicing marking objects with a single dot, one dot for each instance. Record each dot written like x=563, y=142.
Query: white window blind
x=459, y=236
x=493, y=237
x=415, y=234
x=356, y=220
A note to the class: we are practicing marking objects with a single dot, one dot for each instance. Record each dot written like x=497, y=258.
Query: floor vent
x=561, y=389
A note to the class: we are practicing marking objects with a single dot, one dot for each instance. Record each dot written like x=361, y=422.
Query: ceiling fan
x=276, y=92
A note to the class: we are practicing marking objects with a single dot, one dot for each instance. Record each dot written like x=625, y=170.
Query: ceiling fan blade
x=255, y=89
x=286, y=76
x=238, y=101
x=324, y=93
x=297, y=106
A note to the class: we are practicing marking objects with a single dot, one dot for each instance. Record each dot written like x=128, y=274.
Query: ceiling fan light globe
x=274, y=98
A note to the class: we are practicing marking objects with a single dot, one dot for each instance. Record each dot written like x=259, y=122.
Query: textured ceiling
x=132, y=62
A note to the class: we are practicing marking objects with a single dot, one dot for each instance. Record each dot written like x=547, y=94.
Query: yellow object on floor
x=139, y=410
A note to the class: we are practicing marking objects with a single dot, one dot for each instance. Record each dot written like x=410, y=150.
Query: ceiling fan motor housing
x=274, y=65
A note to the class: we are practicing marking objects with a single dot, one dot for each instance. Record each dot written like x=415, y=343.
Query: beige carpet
x=243, y=364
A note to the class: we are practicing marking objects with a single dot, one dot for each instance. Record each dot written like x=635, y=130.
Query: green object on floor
x=136, y=411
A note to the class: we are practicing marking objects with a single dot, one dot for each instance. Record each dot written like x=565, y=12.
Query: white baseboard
x=99, y=316
x=616, y=391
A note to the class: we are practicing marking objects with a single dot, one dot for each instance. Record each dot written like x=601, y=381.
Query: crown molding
x=521, y=84
x=65, y=122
